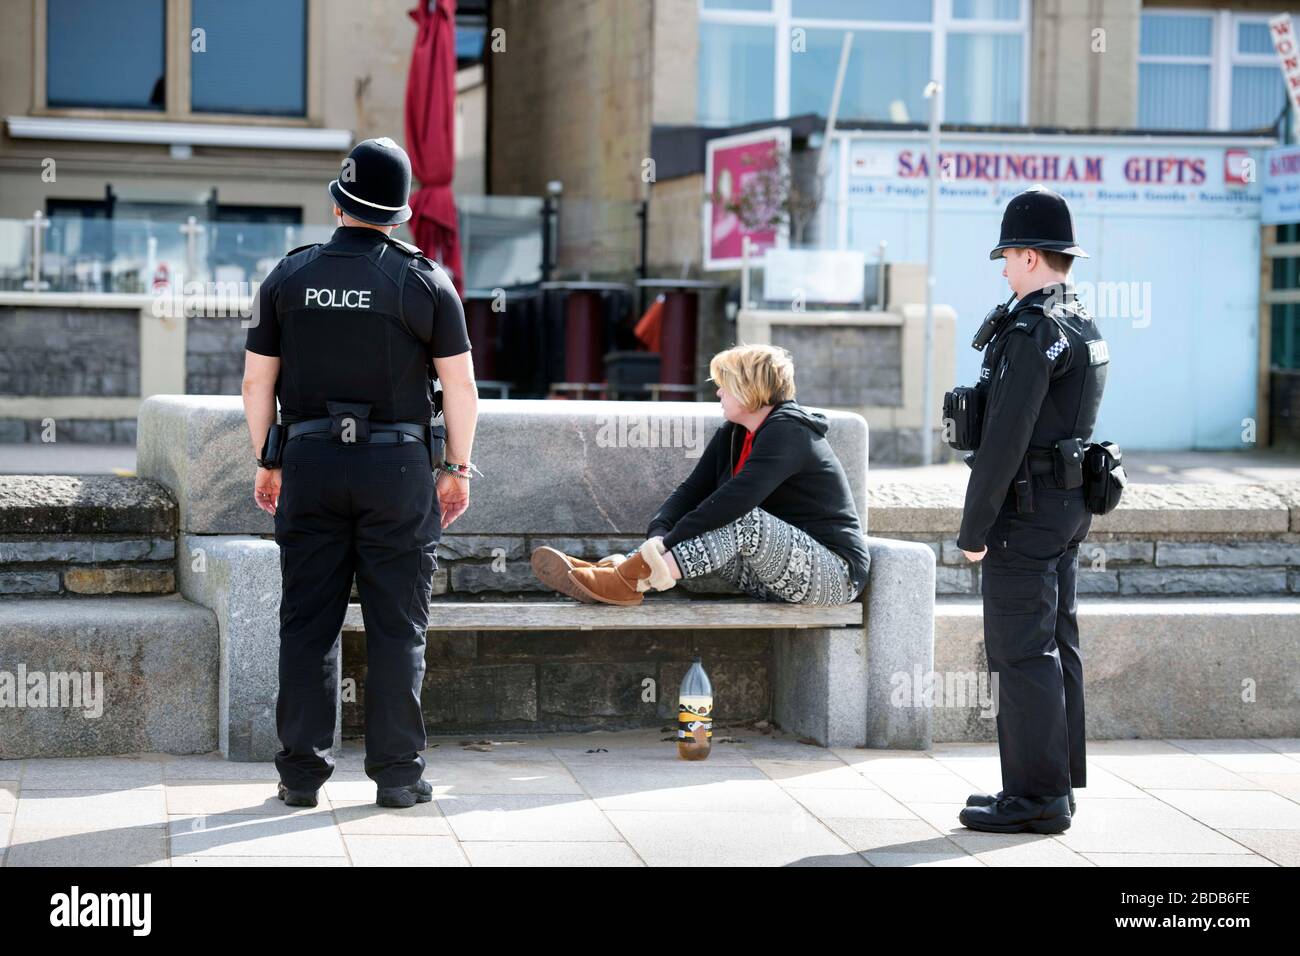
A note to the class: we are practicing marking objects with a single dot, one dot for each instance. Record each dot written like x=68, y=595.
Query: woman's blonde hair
x=757, y=375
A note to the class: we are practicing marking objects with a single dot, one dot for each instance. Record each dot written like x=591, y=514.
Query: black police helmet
x=1037, y=218
x=374, y=183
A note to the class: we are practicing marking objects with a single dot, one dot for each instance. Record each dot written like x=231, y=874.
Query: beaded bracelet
x=460, y=471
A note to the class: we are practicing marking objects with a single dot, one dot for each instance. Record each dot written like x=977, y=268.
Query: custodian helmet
x=1037, y=218
x=374, y=183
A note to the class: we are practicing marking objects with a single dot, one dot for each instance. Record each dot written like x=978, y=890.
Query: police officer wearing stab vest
x=1041, y=380
x=346, y=337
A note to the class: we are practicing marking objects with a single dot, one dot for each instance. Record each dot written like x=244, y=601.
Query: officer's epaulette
x=1027, y=316
x=406, y=247
x=310, y=245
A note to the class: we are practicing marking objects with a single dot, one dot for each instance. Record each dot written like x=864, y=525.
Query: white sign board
x=814, y=275
x=1138, y=176
x=1280, y=200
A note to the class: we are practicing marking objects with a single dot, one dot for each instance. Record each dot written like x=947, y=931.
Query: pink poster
x=731, y=165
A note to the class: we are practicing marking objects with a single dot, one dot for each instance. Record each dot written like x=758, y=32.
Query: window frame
x=1223, y=55
x=940, y=24
x=177, y=17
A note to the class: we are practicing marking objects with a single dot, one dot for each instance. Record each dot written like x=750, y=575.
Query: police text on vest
x=339, y=298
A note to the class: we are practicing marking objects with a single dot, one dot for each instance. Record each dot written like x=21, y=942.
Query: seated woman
x=767, y=507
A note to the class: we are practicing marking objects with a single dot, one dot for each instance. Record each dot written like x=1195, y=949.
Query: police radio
x=997, y=315
x=963, y=407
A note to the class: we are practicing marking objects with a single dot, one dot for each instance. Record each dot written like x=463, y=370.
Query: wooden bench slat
x=659, y=615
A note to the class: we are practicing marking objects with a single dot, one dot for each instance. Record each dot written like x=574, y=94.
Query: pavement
x=66, y=458
x=1159, y=467
x=624, y=799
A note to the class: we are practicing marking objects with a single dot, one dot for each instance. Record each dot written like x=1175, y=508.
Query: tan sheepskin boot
x=626, y=583
x=552, y=567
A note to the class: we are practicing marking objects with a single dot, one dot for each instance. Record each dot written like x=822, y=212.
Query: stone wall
x=68, y=352
x=95, y=353
x=98, y=431
x=72, y=536
x=875, y=377
x=571, y=681
x=517, y=680
x=1164, y=540
x=214, y=355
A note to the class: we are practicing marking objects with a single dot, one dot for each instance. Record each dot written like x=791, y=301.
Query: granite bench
x=567, y=470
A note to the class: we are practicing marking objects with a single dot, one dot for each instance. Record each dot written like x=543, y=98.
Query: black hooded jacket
x=790, y=473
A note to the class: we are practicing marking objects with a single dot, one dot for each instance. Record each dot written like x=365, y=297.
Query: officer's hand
x=453, y=497
x=975, y=555
x=266, y=490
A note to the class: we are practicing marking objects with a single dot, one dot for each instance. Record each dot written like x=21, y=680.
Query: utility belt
x=1095, y=467
x=348, y=423
x=376, y=433
x=1070, y=463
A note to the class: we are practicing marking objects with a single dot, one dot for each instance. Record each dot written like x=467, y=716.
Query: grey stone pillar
x=238, y=578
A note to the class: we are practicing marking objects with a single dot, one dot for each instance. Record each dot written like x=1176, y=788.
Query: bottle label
x=695, y=718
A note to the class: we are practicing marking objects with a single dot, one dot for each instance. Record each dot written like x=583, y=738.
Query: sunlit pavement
x=625, y=799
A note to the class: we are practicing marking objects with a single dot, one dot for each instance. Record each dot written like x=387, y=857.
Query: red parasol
x=430, y=136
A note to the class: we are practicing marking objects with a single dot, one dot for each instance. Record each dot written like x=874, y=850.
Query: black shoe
x=295, y=798
x=419, y=792
x=1010, y=814
x=988, y=799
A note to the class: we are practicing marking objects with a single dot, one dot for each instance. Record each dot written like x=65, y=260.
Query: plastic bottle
x=695, y=714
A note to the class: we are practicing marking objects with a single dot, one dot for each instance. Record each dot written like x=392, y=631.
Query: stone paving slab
x=710, y=837
x=222, y=834
x=552, y=854
x=525, y=817
x=624, y=799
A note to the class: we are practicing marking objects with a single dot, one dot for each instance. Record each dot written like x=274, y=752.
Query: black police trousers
x=367, y=510
x=1031, y=637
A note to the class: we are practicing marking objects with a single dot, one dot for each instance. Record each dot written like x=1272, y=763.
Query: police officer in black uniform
x=1041, y=381
x=346, y=337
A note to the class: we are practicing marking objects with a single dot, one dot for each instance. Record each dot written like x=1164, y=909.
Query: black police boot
x=1010, y=814
x=988, y=799
x=295, y=798
x=418, y=792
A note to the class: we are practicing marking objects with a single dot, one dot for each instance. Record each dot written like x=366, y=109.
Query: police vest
x=1080, y=357
x=343, y=334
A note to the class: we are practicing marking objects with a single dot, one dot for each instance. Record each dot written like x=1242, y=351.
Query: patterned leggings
x=769, y=559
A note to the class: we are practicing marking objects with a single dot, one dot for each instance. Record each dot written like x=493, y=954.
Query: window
x=771, y=59
x=885, y=78
x=180, y=59
x=254, y=58
x=471, y=32
x=83, y=35
x=735, y=79
x=1203, y=70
